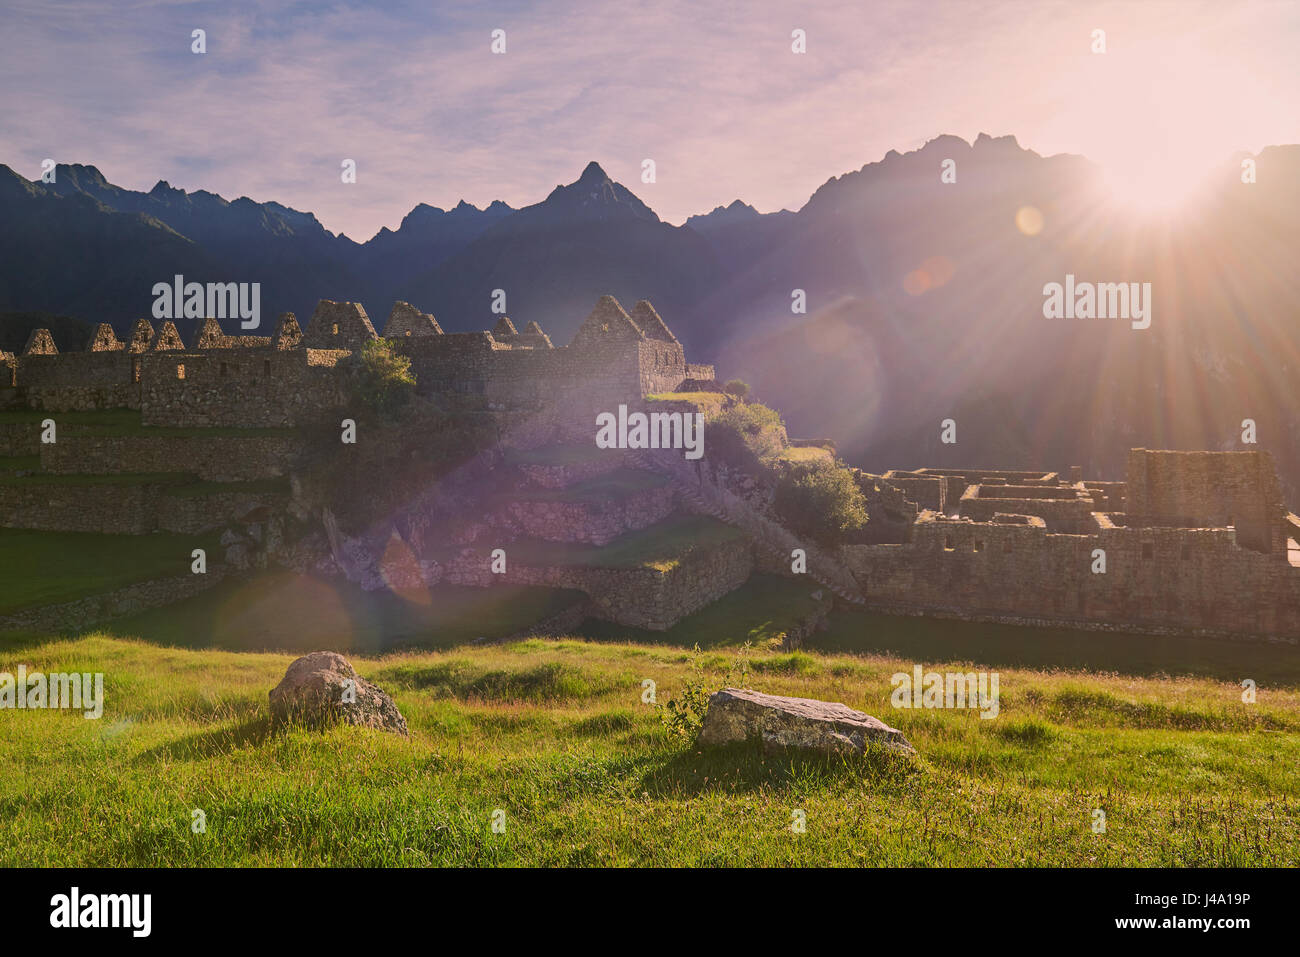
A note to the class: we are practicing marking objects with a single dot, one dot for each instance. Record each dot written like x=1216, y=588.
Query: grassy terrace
x=661, y=546
x=124, y=422
x=554, y=733
x=42, y=568
x=710, y=403
x=126, y=478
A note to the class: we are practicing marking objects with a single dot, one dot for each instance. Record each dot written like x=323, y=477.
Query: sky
x=712, y=92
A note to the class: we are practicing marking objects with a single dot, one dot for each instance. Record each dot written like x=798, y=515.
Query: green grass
x=710, y=403
x=997, y=645
x=801, y=454
x=125, y=422
x=9, y=464
x=42, y=568
x=555, y=734
x=291, y=612
x=126, y=478
x=661, y=546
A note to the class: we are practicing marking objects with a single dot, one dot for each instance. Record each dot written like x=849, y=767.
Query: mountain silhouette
x=923, y=297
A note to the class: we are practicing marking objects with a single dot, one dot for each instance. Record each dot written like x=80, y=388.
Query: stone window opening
x=221, y=369
x=979, y=545
x=335, y=330
x=1148, y=550
x=266, y=367
x=135, y=371
x=180, y=370
x=947, y=543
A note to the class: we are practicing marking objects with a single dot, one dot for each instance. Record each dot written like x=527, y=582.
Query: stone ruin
x=290, y=377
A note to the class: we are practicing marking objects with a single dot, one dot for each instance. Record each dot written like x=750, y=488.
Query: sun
x=1156, y=186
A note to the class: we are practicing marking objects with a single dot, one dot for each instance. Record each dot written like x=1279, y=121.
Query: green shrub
x=737, y=388
x=820, y=500
x=683, y=715
x=386, y=381
x=745, y=435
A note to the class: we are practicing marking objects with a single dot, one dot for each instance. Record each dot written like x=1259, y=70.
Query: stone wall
x=1188, y=580
x=1210, y=489
x=74, y=616
x=241, y=388
x=597, y=522
x=125, y=509
x=639, y=597
x=218, y=458
x=113, y=509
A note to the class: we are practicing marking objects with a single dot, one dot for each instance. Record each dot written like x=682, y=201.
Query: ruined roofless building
x=1190, y=542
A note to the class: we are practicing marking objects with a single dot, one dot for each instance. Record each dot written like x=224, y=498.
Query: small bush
x=737, y=388
x=745, y=435
x=821, y=500
x=386, y=382
x=683, y=715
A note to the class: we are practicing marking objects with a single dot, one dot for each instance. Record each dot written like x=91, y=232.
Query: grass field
x=554, y=734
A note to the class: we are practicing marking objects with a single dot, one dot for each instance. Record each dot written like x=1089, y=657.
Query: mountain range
x=924, y=298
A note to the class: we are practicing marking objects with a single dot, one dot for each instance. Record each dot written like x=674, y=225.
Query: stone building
x=1191, y=542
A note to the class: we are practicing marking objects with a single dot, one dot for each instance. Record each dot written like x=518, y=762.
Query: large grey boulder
x=324, y=687
x=738, y=714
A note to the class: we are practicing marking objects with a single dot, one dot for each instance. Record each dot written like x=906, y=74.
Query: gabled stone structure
x=607, y=323
x=141, y=337
x=649, y=322
x=504, y=330
x=209, y=335
x=167, y=339
x=338, y=325
x=533, y=338
x=288, y=335
x=405, y=320
x=40, y=343
x=105, y=340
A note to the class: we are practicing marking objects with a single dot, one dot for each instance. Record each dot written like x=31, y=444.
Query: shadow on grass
x=744, y=767
x=251, y=733
x=1049, y=647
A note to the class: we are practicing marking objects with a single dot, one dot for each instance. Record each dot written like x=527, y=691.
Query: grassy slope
x=41, y=568
x=555, y=734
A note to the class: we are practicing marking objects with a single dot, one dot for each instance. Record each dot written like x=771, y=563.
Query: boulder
x=738, y=714
x=314, y=689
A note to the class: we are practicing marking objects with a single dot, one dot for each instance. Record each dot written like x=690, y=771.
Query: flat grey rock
x=738, y=714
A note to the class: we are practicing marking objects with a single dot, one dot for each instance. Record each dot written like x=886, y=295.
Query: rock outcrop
x=738, y=714
x=323, y=687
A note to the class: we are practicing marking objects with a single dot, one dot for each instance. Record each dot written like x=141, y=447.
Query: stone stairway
x=709, y=499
